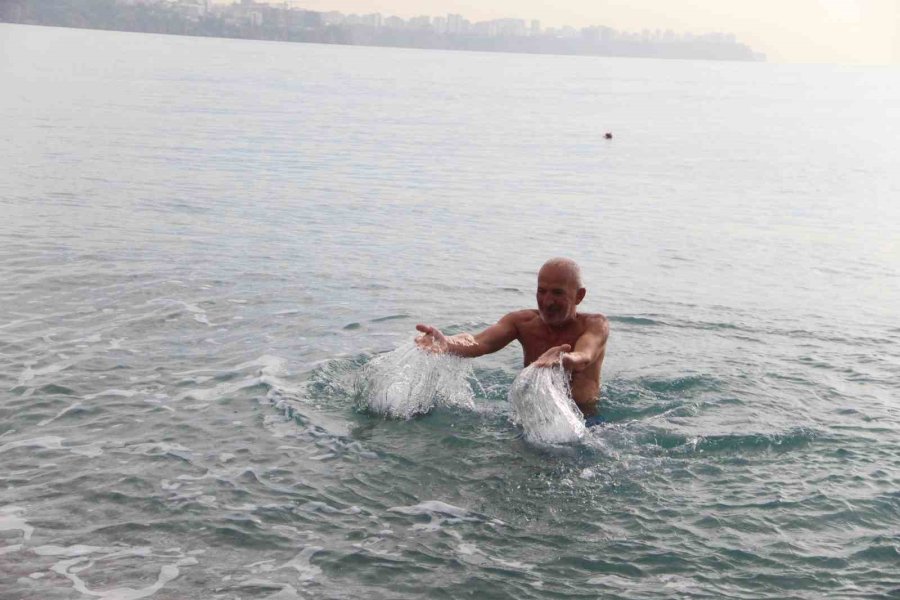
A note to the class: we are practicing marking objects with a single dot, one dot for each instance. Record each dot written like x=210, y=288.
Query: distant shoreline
x=265, y=23
x=474, y=50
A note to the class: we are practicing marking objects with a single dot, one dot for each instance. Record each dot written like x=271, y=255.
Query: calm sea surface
x=204, y=242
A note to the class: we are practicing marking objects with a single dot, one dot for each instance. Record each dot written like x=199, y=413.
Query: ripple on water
x=86, y=568
x=741, y=444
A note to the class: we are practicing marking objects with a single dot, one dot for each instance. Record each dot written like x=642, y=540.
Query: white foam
x=53, y=442
x=267, y=369
x=118, y=393
x=300, y=563
x=439, y=513
x=409, y=381
x=467, y=549
x=78, y=560
x=279, y=426
x=198, y=313
x=11, y=519
x=91, y=450
x=158, y=449
x=614, y=581
x=542, y=405
x=513, y=564
x=316, y=506
x=166, y=574
x=69, y=408
x=70, y=551
x=48, y=442
x=29, y=374
x=326, y=456
x=268, y=365
x=246, y=507
x=432, y=507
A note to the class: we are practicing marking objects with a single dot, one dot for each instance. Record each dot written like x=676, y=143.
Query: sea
x=214, y=253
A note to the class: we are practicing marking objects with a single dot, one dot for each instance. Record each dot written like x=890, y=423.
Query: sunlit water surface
x=207, y=244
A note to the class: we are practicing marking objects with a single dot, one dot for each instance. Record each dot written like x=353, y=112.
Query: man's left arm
x=589, y=347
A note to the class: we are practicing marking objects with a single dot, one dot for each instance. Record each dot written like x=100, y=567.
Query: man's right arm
x=492, y=339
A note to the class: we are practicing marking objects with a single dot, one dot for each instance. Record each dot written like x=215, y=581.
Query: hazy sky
x=834, y=31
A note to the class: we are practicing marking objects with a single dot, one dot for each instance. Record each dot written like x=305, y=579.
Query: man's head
x=559, y=291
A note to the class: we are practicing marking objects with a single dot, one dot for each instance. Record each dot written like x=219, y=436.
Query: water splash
x=409, y=381
x=541, y=403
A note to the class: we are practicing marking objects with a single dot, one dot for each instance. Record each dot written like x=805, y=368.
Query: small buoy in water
x=608, y=135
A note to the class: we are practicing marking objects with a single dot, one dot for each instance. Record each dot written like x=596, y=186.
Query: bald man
x=555, y=332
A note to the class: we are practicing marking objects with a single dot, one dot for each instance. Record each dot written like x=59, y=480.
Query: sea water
x=209, y=247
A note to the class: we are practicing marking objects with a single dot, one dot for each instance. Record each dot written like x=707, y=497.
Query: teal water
x=206, y=243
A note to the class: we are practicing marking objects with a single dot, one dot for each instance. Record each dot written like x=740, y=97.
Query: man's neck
x=562, y=327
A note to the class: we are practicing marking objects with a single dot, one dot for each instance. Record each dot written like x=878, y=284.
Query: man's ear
x=580, y=296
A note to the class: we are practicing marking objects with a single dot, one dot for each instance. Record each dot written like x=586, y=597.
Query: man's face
x=558, y=295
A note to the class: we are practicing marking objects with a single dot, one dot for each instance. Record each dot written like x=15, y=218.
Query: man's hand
x=466, y=345
x=551, y=357
x=431, y=340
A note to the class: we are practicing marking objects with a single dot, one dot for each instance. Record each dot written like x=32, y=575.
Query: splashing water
x=409, y=381
x=541, y=402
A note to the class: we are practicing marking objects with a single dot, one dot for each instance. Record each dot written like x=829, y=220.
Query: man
x=553, y=333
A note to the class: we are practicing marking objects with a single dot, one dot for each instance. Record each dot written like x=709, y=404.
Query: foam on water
x=541, y=403
x=301, y=563
x=71, y=407
x=48, y=442
x=409, y=381
x=433, y=507
x=11, y=519
x=78, y=558
x=439, y=514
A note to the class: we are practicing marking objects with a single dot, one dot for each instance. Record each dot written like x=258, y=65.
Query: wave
x=633, y=320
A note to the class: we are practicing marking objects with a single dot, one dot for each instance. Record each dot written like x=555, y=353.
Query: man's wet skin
x=556, y=333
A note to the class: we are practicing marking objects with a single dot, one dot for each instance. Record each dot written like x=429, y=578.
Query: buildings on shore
x=254, y=13
x=282, y=21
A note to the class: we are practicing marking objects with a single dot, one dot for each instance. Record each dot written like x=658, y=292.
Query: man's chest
x=536, y=341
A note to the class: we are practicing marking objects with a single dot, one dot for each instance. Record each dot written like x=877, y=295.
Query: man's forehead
x=556, y=275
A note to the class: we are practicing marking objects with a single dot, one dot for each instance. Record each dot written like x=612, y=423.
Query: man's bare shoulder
x=523, y=317
x=595, y=322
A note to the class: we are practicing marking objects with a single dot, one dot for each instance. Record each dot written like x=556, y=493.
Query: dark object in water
x=608, y=135
x=594, y=421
